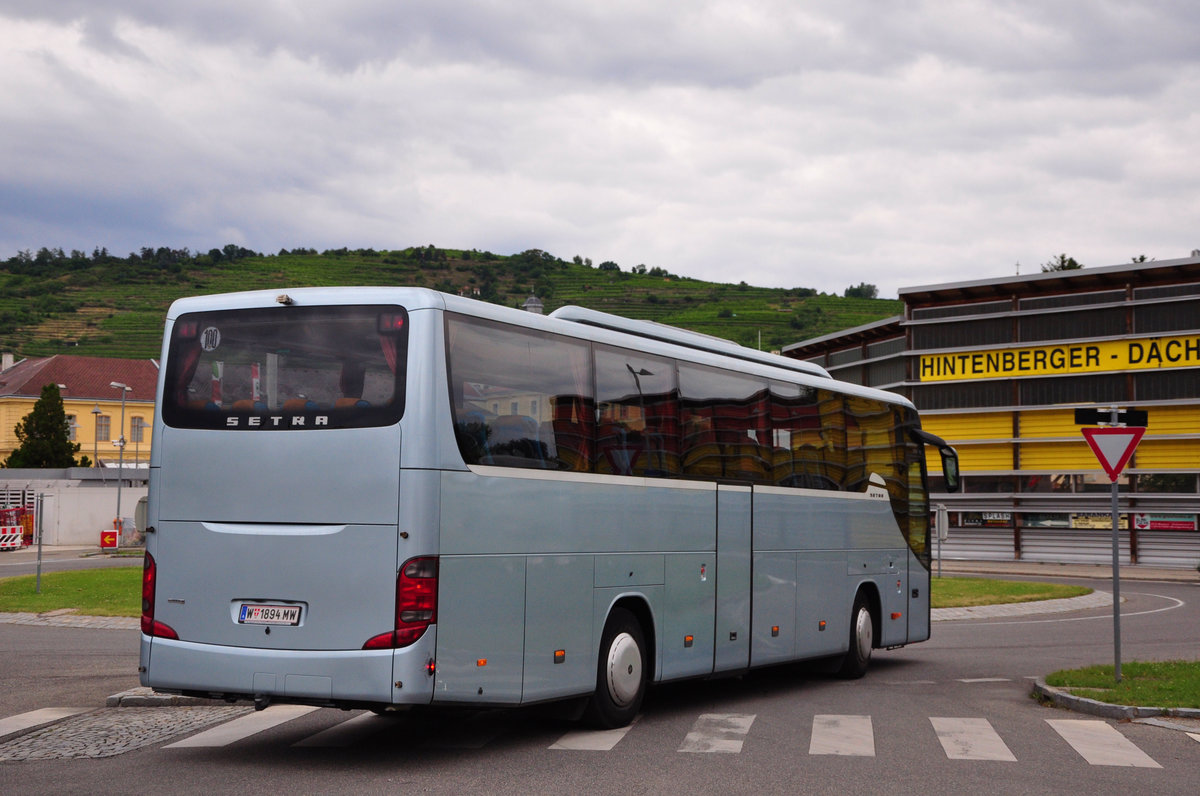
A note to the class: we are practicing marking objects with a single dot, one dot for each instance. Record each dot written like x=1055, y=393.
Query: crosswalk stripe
x=1100, y=744
x=33, y=718
x=842, y=735
x=986, y=680
x=718, y=732
x=243, y=726
x=592, y=740
x=970, y=739
x=1195, y=736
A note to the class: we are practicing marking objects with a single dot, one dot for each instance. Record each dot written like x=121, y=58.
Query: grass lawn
x=115, y=591
x=967, y=592
x=1173, y=684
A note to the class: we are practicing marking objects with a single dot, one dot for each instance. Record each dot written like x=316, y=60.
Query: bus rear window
x=287, y=368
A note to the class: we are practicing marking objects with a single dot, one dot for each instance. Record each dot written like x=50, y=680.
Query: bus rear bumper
x=338, y=678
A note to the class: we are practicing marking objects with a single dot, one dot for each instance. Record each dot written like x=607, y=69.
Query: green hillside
x=101, y=305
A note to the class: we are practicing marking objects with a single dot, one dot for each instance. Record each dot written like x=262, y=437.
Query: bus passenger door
x=732, y=649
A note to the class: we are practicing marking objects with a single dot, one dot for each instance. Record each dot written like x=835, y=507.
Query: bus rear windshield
x=287, y=368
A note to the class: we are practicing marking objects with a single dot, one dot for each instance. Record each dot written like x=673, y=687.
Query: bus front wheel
x=621, y=673
x=862, y=639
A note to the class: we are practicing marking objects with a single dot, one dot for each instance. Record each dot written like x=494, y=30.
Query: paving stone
x=110, y=732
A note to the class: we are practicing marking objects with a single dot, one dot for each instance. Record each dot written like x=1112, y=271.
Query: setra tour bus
x=391, y=497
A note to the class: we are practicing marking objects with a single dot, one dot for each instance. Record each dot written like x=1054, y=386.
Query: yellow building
x=997, y=367
x=92, y=404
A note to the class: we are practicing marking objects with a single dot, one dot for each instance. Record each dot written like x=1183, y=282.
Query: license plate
x=252, y=614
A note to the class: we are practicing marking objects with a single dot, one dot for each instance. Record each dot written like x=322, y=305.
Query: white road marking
x=243, y=726
x=986, y=680
x=23, y=721
x=1177, y=604
x=911, y=682
x=970, y=739
x=1100, y=744
x=842, y=735
x=592, y=740
x=718, y=732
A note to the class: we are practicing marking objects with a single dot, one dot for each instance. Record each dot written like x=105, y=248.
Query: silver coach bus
x=388, y=497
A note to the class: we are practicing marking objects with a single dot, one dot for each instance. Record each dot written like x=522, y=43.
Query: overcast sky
x=781, y=142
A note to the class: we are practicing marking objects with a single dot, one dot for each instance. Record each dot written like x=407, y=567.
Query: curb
x=143, y=697
x=1097, y=599
x=1065, y=699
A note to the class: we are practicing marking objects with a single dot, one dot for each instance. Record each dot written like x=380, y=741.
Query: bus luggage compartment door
x=732, y=651
x=480, y=643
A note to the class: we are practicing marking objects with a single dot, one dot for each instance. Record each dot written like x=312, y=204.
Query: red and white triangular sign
x=1113, y=446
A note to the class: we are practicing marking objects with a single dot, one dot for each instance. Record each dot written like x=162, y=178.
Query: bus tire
x=620, y=673
x=862, y=640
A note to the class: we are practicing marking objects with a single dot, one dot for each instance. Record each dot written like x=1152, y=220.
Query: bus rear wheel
x=620, y=673
x=862, y=640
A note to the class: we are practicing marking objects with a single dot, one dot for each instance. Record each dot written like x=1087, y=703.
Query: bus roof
x=672, y=334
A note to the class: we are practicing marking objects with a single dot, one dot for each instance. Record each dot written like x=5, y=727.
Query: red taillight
x=149, y=626
x=416, y=604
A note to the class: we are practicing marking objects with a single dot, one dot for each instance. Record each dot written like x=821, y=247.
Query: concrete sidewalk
x=1053, y=570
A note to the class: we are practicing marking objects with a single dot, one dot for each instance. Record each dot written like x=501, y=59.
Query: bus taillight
x=150, y=626
x=416, y=604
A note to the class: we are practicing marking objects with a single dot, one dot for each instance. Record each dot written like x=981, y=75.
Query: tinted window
x=725, y=425
x=524, y=398
x=637, y=414
x=286, y=368
x=520, y=398
x=808, y=436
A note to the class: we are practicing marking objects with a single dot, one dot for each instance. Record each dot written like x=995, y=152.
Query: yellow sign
x=1142, y=353
x=1097, y=521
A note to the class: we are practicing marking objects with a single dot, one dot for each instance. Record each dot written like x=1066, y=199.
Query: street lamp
x=96, y=435
x=120, y=443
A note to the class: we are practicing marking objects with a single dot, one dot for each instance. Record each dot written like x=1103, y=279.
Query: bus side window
x=572, y=433
x=542, y=380
x=515, y=437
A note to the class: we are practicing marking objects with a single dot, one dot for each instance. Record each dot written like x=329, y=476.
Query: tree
x=1061, y=263
x=862, y=290
x=43, y=434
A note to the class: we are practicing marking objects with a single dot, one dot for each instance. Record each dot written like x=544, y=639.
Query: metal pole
x=939, y=513
x=1116, y=559
x=119, y=525
x=96, y=435
x=39, y=502
x=1116, y=569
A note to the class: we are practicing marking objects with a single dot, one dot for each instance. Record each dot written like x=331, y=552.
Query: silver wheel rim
x=864, y=633
x=624, y=669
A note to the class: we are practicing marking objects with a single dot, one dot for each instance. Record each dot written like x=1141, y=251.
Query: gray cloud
x=780, y=143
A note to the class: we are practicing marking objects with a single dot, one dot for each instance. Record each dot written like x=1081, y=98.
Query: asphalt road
x=767, y=732
x=59, y=559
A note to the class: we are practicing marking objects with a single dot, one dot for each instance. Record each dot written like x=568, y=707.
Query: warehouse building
x=998, y=366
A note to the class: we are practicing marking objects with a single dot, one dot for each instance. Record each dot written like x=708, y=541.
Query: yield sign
x=1113, y=446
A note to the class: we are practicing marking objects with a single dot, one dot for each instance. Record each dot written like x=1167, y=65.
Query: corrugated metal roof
x=867, y=333
x=79, y=377
x=1039, y=284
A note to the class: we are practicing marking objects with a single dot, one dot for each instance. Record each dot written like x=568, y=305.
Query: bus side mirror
x=950, y=468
